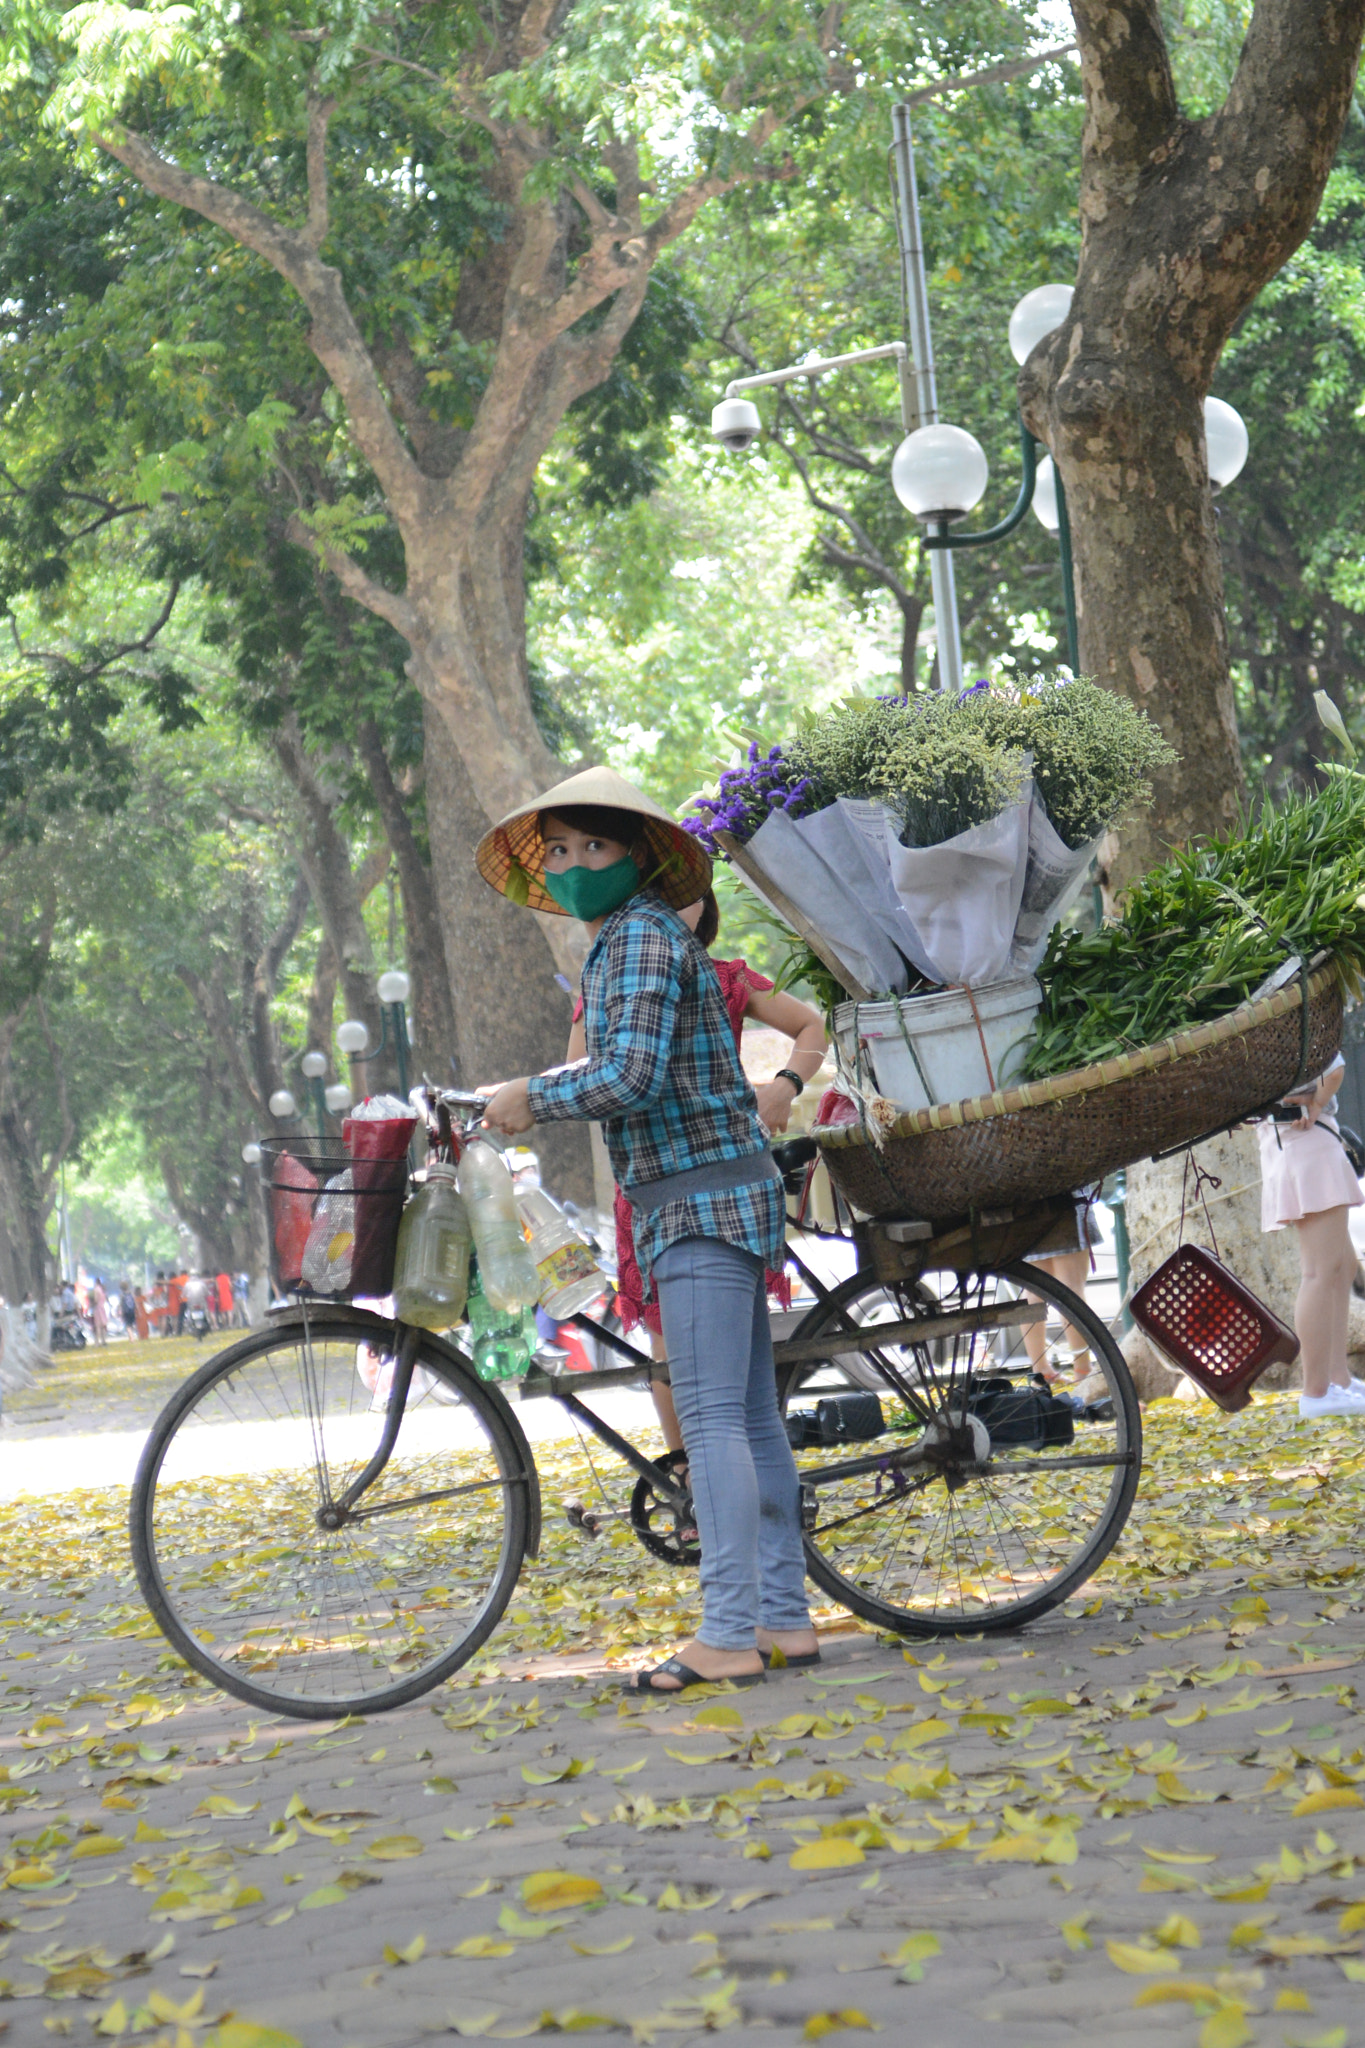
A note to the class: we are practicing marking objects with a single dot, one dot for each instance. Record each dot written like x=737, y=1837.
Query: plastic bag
x=1053, y=879
x=330, y=1252
x=963, y=895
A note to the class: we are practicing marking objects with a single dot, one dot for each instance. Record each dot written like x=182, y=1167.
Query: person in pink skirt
x=1307, y=1181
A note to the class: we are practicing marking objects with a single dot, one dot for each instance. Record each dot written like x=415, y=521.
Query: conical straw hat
x=512, y=858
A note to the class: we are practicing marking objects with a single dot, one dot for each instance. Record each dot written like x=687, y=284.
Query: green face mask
x=594, y=892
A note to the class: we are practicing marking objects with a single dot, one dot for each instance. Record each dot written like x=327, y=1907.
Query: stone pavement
x=1142, y=1819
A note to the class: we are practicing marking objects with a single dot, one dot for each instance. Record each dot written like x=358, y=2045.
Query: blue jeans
x=714, y=1307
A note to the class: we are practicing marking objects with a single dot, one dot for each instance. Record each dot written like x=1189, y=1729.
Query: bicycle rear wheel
x=260, y=1583
x=931, y=1528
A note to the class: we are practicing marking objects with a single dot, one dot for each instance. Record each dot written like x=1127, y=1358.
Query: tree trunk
x=1182, y=223
x=325, y=858
x=435, y=1034
x=511, y=1015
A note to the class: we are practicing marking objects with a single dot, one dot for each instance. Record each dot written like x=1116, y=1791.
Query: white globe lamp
x=314, y=1065
x=337, y=1097
x=394, y=986
x=1227, y=442
x=940, y=472
x=282, y=1104
x=352, y=1036
x=1045, y=496
x=1037, y=314
x=251, y=1154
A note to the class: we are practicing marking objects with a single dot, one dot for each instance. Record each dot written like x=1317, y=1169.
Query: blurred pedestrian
x=1308, y=1182
x=99, y=1312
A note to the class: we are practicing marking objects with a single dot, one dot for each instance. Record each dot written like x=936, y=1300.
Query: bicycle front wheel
x=259, y=1582
x=961, y=1516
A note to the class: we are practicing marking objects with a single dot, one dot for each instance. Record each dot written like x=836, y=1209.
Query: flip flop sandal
x=801, y=1663
x=643, y=1681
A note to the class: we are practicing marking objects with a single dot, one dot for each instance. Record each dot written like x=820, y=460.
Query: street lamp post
x=918, y=479
x=314, y=1066
x=353, y=1036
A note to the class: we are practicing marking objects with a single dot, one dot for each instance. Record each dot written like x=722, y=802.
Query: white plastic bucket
x=944, y=1060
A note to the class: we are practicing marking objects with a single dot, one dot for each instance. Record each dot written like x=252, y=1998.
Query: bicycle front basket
x=333, y=1219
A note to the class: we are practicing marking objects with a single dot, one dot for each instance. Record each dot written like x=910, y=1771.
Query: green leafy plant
x=1202, y=931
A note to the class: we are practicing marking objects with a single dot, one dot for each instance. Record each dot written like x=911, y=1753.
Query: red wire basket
x=1211, y=1326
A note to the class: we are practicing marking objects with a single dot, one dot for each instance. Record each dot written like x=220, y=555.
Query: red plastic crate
x=1211, y=1326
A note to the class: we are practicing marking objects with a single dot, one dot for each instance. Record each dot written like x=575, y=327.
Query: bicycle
x=375, y=1537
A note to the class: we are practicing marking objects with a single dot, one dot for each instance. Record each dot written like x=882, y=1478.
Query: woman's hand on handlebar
x=509, y=1108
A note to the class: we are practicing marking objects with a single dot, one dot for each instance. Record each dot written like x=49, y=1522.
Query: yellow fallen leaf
x=602, y=1948
x=325, y=1895
x=831, y=1854
x=477, y=1946
x=1176, y=1931
x=914, y=1952
x=1181, y=1990
x=1292, y=2001
x=513, y=1922
x=1073, y=1932
x=395, y=1848
x=1226, y=2029
x=717, y=1717
x=1351, y=1969
x=556, y=1891
x=1180, y=1855
x=218, y=1806
x=821, y=2023
x=97, y=1845
x=1323, y=1802
x=246, y=2034
x=114, y=2020
x=1353, y=1919
x=687, y=1898
x=1141, y=1962
x=413, y=1953
x=1249, y=1933
x=1287, y=1945
x=923, y=1733
x=163, y=2008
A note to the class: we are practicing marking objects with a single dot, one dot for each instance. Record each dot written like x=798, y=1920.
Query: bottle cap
x=441, y=1169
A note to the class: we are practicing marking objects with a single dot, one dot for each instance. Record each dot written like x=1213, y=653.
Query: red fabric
x=224, y=1294
x=738, y=982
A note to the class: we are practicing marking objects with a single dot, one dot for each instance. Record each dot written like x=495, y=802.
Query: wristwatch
x=786, y=1074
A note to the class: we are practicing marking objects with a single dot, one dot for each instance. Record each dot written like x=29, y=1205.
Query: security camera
x=735, y=424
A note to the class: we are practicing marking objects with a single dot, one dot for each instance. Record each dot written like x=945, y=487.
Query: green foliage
x=1201, y=932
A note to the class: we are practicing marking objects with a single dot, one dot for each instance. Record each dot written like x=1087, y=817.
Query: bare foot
x=792, y=1642
x=709, y=1663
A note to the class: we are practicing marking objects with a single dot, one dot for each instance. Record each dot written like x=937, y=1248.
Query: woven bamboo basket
x=1048, y=1137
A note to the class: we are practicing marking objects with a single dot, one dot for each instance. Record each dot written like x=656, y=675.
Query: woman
x=1307, y=1181
x=746, y=994
x=663, y=1076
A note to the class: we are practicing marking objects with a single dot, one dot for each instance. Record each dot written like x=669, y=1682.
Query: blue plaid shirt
x=664, y=1079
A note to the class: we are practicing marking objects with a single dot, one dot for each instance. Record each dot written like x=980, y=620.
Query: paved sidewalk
x=1142, y=1820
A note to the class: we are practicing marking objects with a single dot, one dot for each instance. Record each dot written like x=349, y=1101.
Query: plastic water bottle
x=431, y=1267
x=501, y=1344
x=506, y=1268
x=569, y=1275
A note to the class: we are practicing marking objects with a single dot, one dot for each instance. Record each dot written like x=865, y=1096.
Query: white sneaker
x=1336, y=1401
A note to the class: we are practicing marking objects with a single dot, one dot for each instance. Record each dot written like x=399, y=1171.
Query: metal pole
x=319, y=1104
x=1068, y=578
x=400, y=1047
x=942, y=581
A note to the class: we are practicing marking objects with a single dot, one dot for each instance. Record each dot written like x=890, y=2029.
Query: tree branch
x=994, y=74
x=1130, y=102
x=320, y=112
x=334, y=338
x=356, y=582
